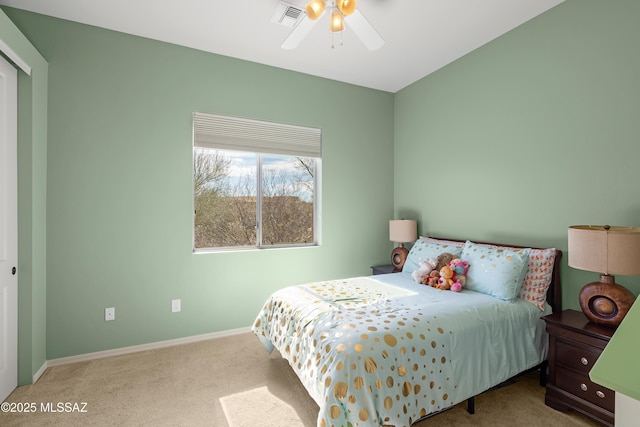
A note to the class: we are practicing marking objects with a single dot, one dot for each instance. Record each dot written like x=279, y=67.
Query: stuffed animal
x=459, y=269
x=443, y=260
x=456, y=287
x=451, y=276
x=446, y=278
x=432, y=278
x=424, y=269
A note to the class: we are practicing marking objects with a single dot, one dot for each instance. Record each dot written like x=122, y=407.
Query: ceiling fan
x=342, y=11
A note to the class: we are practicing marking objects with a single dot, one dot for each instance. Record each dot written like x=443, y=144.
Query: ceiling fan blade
x=364, y=30
x=299, y=32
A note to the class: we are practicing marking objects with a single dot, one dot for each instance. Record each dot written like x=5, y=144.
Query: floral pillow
x=539, y=274
x=538, y=278
x=427, y=247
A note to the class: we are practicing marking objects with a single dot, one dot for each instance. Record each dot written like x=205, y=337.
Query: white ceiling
x=420, y=36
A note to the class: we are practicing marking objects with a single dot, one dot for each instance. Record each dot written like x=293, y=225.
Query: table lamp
x=607, y=250
x=401, y=231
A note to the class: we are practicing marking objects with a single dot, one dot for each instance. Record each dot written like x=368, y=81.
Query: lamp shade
x=605, y=249
x=314, y=9
x=347, y=7
x=337, y=21
x=403, y=230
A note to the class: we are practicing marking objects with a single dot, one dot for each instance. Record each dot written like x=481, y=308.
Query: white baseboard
x=142, y=347
x=39, y=372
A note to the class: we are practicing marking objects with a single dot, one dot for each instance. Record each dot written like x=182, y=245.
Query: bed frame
x=554, y=299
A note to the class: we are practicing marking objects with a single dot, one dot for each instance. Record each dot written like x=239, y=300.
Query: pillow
x=427, y=247
x=538, y=278
x=539, y=274
x=495, y=270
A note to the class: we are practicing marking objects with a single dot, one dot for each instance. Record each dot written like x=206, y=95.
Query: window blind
x=233, y=133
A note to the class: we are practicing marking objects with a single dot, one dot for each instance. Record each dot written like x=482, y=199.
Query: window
x=255, y=184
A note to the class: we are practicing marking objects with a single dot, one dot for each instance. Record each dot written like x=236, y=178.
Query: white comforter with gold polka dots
x=384, y=350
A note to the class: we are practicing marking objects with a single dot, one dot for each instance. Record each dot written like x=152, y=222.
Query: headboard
x=554, y=293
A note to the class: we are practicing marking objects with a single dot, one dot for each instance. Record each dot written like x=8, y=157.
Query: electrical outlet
x=175, y=305
x=109, y=313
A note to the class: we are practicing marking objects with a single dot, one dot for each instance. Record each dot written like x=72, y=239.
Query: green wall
x=119, y=214
x=32, y=198
x=514, y=142
x=536, y=131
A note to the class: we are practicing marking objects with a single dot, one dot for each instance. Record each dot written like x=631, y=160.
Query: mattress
x=384, y=350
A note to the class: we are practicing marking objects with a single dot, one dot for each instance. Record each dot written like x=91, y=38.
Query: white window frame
x=216, y=132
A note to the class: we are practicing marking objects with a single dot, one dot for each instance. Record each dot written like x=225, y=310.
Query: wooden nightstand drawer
x=582, y=387
x=577, y=358
x=574, y=346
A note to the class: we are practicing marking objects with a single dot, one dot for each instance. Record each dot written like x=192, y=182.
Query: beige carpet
x=227, y=382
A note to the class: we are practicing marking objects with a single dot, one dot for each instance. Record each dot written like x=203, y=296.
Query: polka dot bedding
x=383, y=350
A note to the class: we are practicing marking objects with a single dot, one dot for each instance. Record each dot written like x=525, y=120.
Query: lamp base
x=605, y=302
x=398, y=257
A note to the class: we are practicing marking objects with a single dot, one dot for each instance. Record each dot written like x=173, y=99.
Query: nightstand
x=383, y=269
x=574, y=346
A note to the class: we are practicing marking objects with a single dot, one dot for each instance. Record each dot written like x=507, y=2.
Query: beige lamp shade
x=403, y=230
x=605, y=249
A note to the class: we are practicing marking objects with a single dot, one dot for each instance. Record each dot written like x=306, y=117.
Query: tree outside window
x=255, y=183
x=245, y=199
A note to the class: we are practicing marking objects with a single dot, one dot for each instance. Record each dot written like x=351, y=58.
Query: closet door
x=8, y=229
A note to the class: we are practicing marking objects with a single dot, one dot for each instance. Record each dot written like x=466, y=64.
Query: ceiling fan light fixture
x=337, y=21
x=347, y=7
x=314, y=9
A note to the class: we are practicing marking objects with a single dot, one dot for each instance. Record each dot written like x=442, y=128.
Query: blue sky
x=244, y=164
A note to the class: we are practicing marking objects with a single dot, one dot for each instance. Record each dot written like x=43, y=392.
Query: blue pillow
x=427, y=247
x=495, y=270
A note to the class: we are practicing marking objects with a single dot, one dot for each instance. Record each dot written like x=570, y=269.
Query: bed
x=385, y=350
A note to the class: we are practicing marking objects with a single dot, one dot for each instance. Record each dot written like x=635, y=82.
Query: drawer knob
x=583, y=386
x=600, y=394
x=584, y=361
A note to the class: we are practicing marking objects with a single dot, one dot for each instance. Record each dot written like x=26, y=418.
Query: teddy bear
x=443, y=259
x=432, y=278
x=446, y=278
x=424, y=269
x=451, y=276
